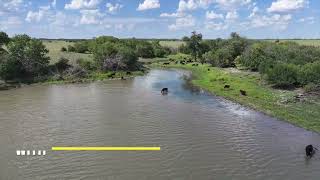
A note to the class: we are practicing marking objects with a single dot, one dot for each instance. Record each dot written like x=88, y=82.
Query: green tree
x=4, y=39
x=26, y=58
x=145, y=50
x=220, y=58
x=194, y=44
x=103, y=51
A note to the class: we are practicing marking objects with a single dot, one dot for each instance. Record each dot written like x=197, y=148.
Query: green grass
x=96, y=76
x=306, y=42
x=259, y=95
x=171, y=44
x=55, y=52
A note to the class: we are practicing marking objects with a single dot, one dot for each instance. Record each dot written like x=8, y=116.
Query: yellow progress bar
x=105, y=148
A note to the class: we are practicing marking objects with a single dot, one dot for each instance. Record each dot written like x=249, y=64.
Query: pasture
x=306, y=42
x=171, y=44
x=55, y=52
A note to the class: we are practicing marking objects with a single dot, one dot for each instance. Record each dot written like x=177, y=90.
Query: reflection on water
x=201, y=136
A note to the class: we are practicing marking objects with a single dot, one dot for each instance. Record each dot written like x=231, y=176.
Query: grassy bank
x=260, y=96
x=96, y=76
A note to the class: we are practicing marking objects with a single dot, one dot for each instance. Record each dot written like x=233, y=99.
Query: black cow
x=310, y=150
x=226, y=86
x=164, y=91
x=112, y=75
x=243, y=93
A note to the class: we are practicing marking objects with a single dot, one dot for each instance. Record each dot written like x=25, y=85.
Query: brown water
x=201, y=136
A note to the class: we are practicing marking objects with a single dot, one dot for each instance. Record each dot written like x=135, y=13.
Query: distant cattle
x=112, y=75
x=164, y=91
x=226, y=86
x=243, y=93
x=310, y=150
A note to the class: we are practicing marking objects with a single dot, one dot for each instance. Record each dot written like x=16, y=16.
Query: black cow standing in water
x=164, y=91
x=310, y=150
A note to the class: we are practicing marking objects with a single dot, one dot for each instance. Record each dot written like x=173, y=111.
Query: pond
x=201, y=136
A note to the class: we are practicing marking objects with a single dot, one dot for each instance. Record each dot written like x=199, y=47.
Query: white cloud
x=276, y=21
x=90, y=17
x=309, y=20
x=148, y=4
x=190, y=5
x=112, y=9
x=281, y=6
x=37, y=16
x=232, y=15
x=10, y=23
x=232, y=4
x=83, y=4
x=7, y=6
x=210, y=15
x=172, y=15
x=183, y=22
x=54, y=3
x=216, y=26
x=254, y=12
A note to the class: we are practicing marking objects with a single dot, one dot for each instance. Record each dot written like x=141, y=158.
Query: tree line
x=284, y=64
x=23, y=58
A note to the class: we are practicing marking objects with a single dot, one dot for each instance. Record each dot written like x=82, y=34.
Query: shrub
x=283, y=75
x=220, y=58
x=4, y=39
x=85, y=64
x=62, y=65
x=63, y=49
x=102, y=52
x=81, y=47
x=26, y=58
x=71, y=48
x=310, y=73
x=253, y=56
x=311, y=87
x=145, y=50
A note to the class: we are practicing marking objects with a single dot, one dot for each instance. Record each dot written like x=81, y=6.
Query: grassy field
x=171, y=44
x=277, y=103
x=306, y=42
x=55, y=52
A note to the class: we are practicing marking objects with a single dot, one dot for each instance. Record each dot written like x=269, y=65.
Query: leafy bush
x=71, y=48
x=283, y=75
x=103, y=51
x=62, y=65
x=145, y=50
x=253, y=57
x=81, y=47
x=26, y=58
x=220, y=58
x=85, y=64
x=4, y=39
x=63, y=49
x=310, y=73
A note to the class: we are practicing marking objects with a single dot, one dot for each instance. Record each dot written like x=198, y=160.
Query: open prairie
x=55, y=53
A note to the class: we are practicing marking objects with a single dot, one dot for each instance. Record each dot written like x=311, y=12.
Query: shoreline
x=260, y=97
x=93, y=77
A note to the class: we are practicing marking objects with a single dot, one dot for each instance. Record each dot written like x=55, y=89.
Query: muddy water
x=201, y=136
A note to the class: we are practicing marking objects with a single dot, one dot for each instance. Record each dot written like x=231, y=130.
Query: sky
x=161, y=18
